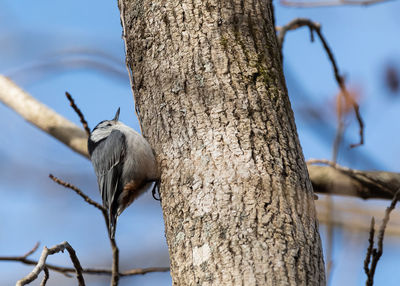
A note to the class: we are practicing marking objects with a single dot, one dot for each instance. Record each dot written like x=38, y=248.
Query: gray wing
x=108, y=159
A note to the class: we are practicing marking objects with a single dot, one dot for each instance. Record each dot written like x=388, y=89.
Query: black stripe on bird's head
x=104, y=128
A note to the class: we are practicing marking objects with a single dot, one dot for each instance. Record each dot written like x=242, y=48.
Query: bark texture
x=211, y=97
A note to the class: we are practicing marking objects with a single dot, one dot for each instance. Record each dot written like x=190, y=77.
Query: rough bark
x=211, y=97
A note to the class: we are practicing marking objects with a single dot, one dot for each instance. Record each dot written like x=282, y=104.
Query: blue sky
x=49, y=47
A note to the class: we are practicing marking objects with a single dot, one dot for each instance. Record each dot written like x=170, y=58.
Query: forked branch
x=374, y=254
x=41, y=264
x=67, y=270
x=316, y=27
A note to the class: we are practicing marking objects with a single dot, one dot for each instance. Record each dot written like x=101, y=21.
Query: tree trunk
x=211, y=97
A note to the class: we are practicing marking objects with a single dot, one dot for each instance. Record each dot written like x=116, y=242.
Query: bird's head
x=104, y=128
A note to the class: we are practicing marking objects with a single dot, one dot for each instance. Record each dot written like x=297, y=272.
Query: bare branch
x=78, y=111
x=377, y=252
x=92, y=271
x=114, y=247
x=370, y=247
x=42, y=116
x=76, y=263
x=115, y=254
x=301, y=22
x=45, y=277
x=42, y=264
x=115, y=264
x=79, y=192
x=143, y=271
x=66, y=270
x=317, y=4
x=339, y=180
x=33, y=250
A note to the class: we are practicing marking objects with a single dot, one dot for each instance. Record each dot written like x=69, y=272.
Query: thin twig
x=41, y=264
x=316, y=4
x=33, y=250
x=76, y=263
x=46, y=276
x=115, y=254
x=60, y=269
x=114, y=247
x=115, y=263
x=78, y=191
x=370, y=247
x=300, y=22
x=142, y=271
x=79, y=112
x=377, y=252
x=91, y=271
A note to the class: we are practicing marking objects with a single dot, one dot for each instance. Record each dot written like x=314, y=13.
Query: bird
x=125, y=166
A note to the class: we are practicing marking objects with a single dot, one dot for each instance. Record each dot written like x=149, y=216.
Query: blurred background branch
x=42, y=116
x=316, y=27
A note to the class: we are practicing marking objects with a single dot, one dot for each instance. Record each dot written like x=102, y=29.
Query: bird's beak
x=116, y=115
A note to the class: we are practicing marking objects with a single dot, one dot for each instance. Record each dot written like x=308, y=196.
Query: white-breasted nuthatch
x=125, y=166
